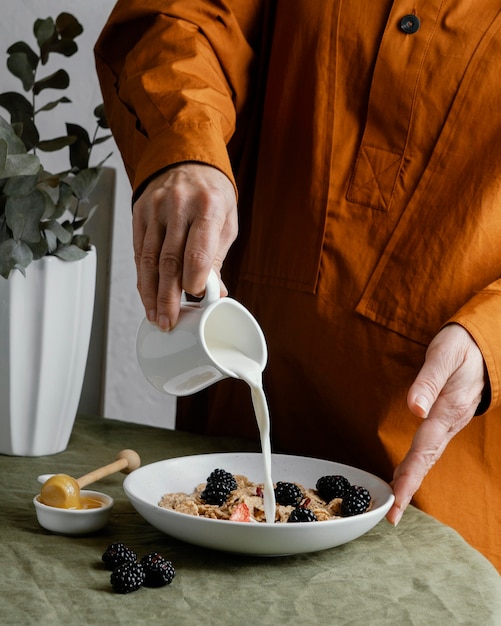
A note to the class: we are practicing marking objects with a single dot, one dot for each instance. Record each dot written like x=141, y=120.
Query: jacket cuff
x=200, y=143
x=481, y=317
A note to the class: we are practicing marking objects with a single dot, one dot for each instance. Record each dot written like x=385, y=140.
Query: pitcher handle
x=212, y=289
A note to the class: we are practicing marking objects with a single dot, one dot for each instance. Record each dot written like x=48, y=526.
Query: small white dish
x=145, y=486
x=75, y=521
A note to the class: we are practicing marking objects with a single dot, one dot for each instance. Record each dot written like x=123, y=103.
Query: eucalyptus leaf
x=39, y=210
x=51, y=241
x=80, y=223
x=14, y=254
x=68, y=26
x=23, y=47
x=16, y=104
x=82, y=241
x=20, y=164
x=57, y=80
x=64, y=235
x=19, y=65
x=100, y=114
x=51, y=145
x=70, y=253
x=50, y=203
x=66, y=47
x=84, y=182
x=45, y=30
x=40, y=248
x=102, y=139
x=64, y=201
x=23, y=215
x=4, y=151
x=80, y=149
x=20, y=185
x=8, y=134
x=52, y=105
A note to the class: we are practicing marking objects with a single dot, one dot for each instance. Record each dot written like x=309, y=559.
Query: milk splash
x=246, y=369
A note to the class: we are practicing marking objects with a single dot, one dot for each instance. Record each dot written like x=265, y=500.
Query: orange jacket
x=368, y=163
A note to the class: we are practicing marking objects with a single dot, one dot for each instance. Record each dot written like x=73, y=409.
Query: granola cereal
x=251, y=495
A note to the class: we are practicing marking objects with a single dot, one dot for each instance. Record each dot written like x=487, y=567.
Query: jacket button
x=410, y=24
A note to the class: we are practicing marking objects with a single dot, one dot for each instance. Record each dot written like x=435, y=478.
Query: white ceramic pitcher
x=187, y=358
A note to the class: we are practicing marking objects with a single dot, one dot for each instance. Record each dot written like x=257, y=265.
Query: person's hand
x=183, y=226
x=446, y=393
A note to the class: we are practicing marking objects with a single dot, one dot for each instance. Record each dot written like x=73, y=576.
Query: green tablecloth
x=419, y=573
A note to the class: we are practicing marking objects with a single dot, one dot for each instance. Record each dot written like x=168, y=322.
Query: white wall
x=125, y=394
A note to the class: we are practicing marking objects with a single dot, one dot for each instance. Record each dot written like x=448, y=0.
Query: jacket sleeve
x=175, y=75
x=481, y=317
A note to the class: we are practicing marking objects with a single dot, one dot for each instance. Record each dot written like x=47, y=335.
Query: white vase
x=45, y=325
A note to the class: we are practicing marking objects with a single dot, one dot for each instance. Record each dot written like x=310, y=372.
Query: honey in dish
x=63, y=492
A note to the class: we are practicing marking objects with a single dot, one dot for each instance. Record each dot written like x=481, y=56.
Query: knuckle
x=169, y=265
x=149, y=262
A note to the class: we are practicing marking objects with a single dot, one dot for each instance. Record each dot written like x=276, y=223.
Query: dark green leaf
x=20, y=66
x=23, y=216
x=23, y=47
x=51, y=145
x=52, y=105
x=21, y=114
x=70, y=253
x=79, y=150
x=44, y=31
x=68, y=26
x=66, y=47
x=57, y=80
x=102, y=139
x=16, y=104
x=100, y=113
x=82, y=241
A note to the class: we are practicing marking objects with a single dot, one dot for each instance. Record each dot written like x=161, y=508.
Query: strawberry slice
x=240, y=513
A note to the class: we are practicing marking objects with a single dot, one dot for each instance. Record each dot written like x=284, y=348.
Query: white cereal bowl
x=145, y=487
x=75, y=521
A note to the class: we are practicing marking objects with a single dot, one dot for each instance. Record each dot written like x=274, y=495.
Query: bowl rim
x=386, y=502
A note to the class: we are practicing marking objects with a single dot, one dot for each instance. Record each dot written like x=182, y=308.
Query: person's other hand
x=446, y=394
x=183, y=226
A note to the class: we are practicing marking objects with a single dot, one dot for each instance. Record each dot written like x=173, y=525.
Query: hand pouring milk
x=214, y=339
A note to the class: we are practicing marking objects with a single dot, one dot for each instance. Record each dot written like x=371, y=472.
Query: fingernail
x=163, y=322
x=422, y=402
x=398, y=518
x=152, y=316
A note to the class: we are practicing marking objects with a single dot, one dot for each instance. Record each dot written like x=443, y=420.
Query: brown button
x=410, y=24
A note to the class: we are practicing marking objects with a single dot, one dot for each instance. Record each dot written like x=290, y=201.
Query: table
x=419, y=573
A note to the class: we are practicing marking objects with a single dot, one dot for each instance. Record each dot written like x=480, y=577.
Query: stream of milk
x=246, y=369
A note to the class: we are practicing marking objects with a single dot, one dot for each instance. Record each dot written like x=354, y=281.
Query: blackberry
x=302, y=514
x=355, y=501
x=330, y=487
x=116, y=554
x=158, y=570
x=222, y=476
x=216, y=493
x=288, y=493
x=127, y=577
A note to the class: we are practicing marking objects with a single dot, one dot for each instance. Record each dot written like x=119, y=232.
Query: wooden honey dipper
x=63, y=491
